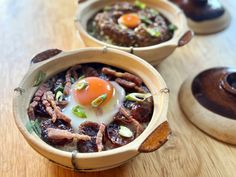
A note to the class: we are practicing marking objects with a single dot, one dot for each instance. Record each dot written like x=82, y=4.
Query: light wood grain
x=28, y=27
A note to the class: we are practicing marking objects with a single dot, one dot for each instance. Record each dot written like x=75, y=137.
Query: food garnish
x=81, y=85
x=125, y=132
x=172, y=27
x=155, y=32
x=79, y=112
x=139, y=97
x=39, y=78
x=34, y=125
x=59, y=96
x=99, y=100
x=140, y=4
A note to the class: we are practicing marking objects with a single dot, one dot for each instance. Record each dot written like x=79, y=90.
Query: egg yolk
x=131, y=20
x=95, y=87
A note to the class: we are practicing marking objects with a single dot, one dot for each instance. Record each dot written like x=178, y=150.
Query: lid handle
x=228, y=82
x=45, y=55
x=186, y=38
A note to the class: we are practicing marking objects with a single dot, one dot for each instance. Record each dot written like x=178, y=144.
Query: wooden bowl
x=153, y=54
x=154, y=136
x=208, y=100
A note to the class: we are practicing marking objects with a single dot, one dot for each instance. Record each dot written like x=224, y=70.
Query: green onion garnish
x=99, y=100
x=81, y=77
x=139, y=4
x=59, y=88
x=172, y=27
x=59, y=96
x=34, y=126
x=153, y=31
x=39, y=78
x=145, y=20
x=79, y=112
x=81, y=85
x=125, y=132
x=139, y=97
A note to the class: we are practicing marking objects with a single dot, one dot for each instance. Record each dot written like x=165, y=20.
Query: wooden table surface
x=30, y=26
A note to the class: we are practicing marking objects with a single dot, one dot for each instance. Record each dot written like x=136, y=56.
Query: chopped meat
x=127, y=76
x=70, y=72
x=142, y=111
x=52, y=109
x=125, y=83
x=58, y=134
x=89, y=128
x=35, y=105
x=87, y=146
x=95, y=131
x=62, y=104
x=99, y=137
x=59, y=124
x=125, y=117
x=89, y=71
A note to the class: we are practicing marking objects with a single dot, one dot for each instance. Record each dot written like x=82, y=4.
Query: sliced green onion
x=153, y=31
x=59, y=88
x=33, y=126
x=107, y=8
x=81, y=85
x=139, y=4
x=59, y=96
x=99, y=100
x=139, y=97
x=81, y=77
x=79, y=112
x=39, y=78
x=72, y=80
x=145, y=20
x=172, y=27
x=154, y=12
x=125, y=132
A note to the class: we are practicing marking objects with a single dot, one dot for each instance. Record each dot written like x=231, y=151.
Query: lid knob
x=229, y=82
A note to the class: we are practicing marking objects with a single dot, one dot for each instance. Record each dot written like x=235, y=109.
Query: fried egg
x=94, y=99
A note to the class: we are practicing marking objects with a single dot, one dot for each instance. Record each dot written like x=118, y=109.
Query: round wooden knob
x=229, y=82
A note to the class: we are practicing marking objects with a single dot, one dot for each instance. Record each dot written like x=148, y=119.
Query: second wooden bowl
x=153, y=54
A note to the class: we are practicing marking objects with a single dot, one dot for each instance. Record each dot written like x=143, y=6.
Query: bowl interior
x=112, y=57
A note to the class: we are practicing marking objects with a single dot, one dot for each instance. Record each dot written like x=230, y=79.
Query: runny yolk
x=130, y=20
x=95, y=88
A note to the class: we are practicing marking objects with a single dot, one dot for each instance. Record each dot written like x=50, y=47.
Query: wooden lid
x=209, y=100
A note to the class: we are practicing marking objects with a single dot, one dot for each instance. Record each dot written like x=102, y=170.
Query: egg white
x=105, y=113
